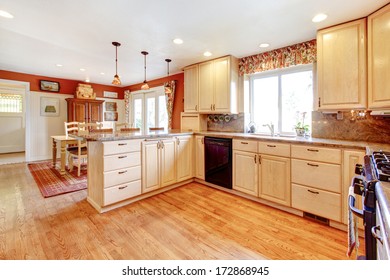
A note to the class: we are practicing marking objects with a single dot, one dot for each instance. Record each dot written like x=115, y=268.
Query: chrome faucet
x=271, y=128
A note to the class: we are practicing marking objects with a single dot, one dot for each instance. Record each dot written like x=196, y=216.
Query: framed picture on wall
x=50, y=106
x=110, y=106
x=110, y=116
x=49, y=86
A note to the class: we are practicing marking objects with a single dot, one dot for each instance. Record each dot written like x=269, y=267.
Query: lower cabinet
x=184, y=156
x=263, y=170
x=114, y=172
x=158, y=164
x=199, y=157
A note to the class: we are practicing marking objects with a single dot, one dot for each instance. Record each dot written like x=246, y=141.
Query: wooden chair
x=102, y=130
x=71, y=128
x=80, y=153
x=130, y=129
x=155, y=128
x=119, y=126
x=84, y=128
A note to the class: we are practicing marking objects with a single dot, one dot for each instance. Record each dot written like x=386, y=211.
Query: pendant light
x=145, y=86
x=116, y=80
x=167, y=86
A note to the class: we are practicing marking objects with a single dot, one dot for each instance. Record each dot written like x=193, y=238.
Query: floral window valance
x=302, y=53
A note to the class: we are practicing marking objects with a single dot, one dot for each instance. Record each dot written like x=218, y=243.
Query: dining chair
x=80, y=154
x=130, y=129
x=119, y=126
x=71, y=127
x=155, y=128
x=85, y=128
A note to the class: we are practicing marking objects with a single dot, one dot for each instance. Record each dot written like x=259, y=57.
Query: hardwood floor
x=190, y=222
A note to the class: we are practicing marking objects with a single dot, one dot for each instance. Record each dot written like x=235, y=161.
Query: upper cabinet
x=341, y=65
x=215, y=82
x=191, y=88
x=379, y=59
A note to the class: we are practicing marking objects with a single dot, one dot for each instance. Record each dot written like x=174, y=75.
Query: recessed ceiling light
x=87, y=80
x=319, y=18
x=207, y=53
x=178, y=41
x=6, y=14
x=264, y=45
x=82, y=69
x=59, y=65
x=102, y=73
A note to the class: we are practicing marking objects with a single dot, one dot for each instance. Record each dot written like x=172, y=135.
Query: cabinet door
x=275, y=179
x=80, y=112
x=379, y=59
x=184, y=158
x=206, y=86
x=199, y=157
x=95, y=112
x=150, y=166
x=222, y=85
x=341, y=64
x=245, y=172
x=351, y=158
x=191, y=88
x=167, y=162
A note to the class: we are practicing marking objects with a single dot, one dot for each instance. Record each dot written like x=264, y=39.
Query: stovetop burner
x=381, y=163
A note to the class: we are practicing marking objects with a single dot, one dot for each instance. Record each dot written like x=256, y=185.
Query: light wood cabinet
x=114, y=172
x=193, y=122
x=84, y=110
x=379, y=59
x=316, y=180
x=341, y=66
x=191, y=88
x=350, y=159
x=218, y=85
x=184, y=158
x=199, y=157
x=258, y=170
x=158, y=164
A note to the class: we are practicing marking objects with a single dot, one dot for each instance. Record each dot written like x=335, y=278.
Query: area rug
x=51, y=183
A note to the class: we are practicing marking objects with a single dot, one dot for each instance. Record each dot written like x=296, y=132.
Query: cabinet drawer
x=120, y=161
x=323, y=176
x=275, y=149
x=245, y=145
x=316, y=153
x=122, y=192
x=120, y=147
x=122, y=176
x=318, y=202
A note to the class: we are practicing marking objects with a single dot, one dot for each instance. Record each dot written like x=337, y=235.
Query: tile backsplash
x=369, y=129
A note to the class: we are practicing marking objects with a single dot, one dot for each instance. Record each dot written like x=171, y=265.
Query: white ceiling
x=79, y=33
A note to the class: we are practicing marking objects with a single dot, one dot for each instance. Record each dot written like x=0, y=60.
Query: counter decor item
x=301, y=129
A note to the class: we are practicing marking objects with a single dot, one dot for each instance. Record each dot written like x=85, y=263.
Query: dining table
x=64, y=141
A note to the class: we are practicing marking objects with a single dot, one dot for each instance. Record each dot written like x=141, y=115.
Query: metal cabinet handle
x=255, y=159
x=178, y=141
x=245, y=143
x=376, y=236
x=214, y=107
x=202, y=140
x=122, y=144
x=211, y=107
x=122, y=172
x=122, y=187
x=162, y=145
x=120, y=157
x=271, y=146
x=259, y=156
x=313, y=150
x=310, y=191
x=314, y=165
x=196, y=107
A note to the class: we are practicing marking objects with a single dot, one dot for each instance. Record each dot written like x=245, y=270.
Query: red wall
x=66, y=86
x=69, y=87
x=178, y=105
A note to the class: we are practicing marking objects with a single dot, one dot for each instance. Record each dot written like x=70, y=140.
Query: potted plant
x=301, y=128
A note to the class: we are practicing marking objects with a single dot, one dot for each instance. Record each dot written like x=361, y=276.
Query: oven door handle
x=351, y=204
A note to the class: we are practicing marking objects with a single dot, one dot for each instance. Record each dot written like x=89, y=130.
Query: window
x=148, y=109
x=11, y=103
x=280, y=97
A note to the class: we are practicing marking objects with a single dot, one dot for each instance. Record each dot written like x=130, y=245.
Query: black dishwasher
x=218, y=161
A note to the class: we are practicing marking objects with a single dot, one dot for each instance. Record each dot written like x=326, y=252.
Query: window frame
x=155, y=92
x=278, y=73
